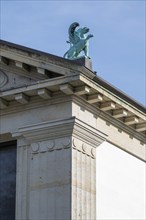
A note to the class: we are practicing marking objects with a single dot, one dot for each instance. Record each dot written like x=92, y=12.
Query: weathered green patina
x=78, y=41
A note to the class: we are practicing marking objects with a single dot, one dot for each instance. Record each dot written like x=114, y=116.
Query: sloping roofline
x=95, y=78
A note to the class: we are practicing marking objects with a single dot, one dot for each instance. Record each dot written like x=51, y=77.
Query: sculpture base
x=84, y=61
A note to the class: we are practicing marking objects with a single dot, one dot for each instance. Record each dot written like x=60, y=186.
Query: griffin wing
x=73, y=37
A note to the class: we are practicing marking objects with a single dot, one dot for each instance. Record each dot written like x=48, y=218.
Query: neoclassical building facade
x=54, y=113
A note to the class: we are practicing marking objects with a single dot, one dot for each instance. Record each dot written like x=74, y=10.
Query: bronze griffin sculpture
x=78, y=41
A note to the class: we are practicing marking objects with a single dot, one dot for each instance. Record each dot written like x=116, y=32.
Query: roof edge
x=96, y=78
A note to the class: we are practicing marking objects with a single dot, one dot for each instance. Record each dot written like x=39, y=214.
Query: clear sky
x=117, y=49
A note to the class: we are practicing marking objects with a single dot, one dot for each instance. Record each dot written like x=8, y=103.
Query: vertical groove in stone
x=86, y=181
x=55, y=190
x=19, y=184
x=39, y=171
x=28, y=180
x=47, y=177
x=74, y=184
x=24, y=181
x=87, y=187
x=79, y=185
x=92, y=189
x=43, y=192
x=83, y=187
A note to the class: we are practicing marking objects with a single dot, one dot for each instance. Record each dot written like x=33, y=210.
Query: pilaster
x=56, y=170
x=83, y=180
x=22, y=178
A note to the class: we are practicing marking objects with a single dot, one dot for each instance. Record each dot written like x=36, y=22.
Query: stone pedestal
x=56, y=170
x=84, y=61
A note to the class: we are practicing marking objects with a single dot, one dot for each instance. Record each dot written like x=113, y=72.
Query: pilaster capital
x=88, y=134
x=56, y=129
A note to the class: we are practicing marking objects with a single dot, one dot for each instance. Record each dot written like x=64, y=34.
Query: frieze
x=50, y=145
x=62, y=143
x=84, y=148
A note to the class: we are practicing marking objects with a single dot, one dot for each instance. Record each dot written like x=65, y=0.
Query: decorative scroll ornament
x=3, y=78
x=78, y=41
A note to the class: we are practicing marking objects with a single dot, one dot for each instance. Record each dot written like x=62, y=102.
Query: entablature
x=55, y=75
x=83, y=87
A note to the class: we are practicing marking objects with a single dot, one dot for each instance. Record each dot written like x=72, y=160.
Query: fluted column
x=83, y=180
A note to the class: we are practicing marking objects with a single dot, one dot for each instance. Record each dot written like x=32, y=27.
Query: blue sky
x=117, y=49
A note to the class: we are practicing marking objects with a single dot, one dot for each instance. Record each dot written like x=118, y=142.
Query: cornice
x=71, y=79
x=88, y=134
x=114, y=96
x=109, y=120
x=36, y=102
x=46, y=130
